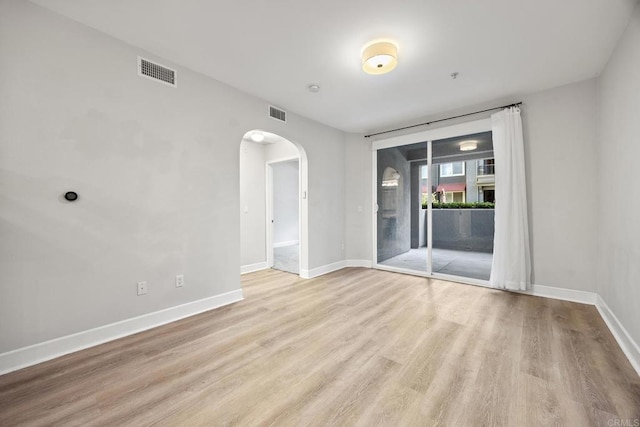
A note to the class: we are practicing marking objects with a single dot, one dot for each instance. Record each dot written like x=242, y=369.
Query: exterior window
x=489, y=195
x=454, y=197
x=452, y=169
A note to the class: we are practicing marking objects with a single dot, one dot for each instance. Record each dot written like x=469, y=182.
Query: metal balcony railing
x=486, y=170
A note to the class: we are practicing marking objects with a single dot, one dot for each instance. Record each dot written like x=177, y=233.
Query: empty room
x=286, y=212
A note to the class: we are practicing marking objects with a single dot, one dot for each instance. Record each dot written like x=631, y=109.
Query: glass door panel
x=463, y=185
x=401, y=220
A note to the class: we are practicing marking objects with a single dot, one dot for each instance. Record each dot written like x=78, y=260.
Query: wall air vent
x=157, y=72
x=277, y=114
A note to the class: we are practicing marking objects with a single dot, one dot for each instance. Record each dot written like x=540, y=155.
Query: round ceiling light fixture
x=379, y=58
x=257, y=136
x=313, y=88
x=468, y=145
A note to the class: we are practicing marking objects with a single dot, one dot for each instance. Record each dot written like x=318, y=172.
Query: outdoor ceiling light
x=468, y=145
x=379, y=58
x=257, y=136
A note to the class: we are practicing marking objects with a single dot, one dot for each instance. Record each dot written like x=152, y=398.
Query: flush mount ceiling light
x=257, y=136
x=379, y=58
x=468, y=145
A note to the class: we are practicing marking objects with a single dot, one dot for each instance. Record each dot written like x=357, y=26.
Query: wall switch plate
x=179, y=281
x=142, y=288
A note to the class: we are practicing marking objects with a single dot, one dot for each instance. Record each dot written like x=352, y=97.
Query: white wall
x=157, y=170
x=285, y=202
x=559, y=128
x=358, y=191
x=617, y=192
x=279, y=151
x=252, y=204
x=560, y=144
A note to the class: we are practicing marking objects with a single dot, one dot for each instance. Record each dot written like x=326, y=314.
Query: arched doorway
x=273, y=204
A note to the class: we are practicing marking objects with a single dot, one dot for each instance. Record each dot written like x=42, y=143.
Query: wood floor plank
x=354, y=347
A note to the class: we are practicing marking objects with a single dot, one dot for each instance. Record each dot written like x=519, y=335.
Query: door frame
x=269, y=209
x=428, y=136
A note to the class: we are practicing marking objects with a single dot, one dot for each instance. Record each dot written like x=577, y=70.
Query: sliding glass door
x=435, y=204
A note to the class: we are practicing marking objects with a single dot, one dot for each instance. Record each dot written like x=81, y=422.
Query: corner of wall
x=629, y=347
x=617, y=127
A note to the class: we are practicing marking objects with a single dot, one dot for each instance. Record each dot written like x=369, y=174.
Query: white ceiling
x=274, y=49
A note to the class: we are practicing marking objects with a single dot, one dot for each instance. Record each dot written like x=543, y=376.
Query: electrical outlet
x=142, y=288
x=179, y=281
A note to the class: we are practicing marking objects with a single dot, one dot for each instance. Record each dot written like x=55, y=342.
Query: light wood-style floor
x=355, y=347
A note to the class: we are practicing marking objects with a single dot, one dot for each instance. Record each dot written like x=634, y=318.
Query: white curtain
x=511, y=268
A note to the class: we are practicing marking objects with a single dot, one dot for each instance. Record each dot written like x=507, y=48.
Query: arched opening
x=273, y=204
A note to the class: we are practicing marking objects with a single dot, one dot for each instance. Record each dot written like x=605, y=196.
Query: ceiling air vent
x=156, y=72
x=276, y=113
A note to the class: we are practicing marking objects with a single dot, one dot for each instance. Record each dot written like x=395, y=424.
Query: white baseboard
x=41, y=352
x=572, y=295
x=319, y=271
x=250, y=268
x=630, y=348
x=359, y=263
x=287, y=243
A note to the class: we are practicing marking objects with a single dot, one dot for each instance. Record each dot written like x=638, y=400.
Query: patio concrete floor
x=476, y=265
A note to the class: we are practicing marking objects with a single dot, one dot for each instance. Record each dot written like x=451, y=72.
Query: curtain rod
x=515, y=104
